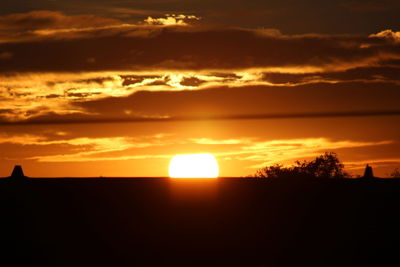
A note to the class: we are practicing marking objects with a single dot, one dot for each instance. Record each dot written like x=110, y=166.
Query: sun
x=193, y=166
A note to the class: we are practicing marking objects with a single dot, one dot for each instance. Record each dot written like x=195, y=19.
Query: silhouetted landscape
x=214, y=222
x=199, y=133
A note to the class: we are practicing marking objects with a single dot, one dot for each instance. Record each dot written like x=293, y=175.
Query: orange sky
x=63, y=65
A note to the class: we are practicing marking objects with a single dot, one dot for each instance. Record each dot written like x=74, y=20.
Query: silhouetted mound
x=368, y=173
x=17, y=172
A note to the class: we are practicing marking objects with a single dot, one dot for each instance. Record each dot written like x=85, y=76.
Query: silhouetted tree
x=276, y=171
x=395, y=173
x=327, y=165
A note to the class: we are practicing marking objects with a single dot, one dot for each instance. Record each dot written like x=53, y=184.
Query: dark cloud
x=5, y=111
x=195, y=48
x=192, y=81
x=96, y=80
x=319, y=97
x=226, y=76
x=45, y=19
x=5, y=55
x=53, y=96
x=81, y=95
x=159, y=82
x=56, y=119
x=135, y=79
x=370, y=5
x=362, y=74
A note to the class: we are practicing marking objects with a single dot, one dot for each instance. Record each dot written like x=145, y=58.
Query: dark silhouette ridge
x=250, y=222
x=368, y=173
x=17, y=172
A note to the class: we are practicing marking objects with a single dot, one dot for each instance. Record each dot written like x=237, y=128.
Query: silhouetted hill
x=223, y=222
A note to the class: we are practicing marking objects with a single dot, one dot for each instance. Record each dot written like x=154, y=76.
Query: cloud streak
x=251, y=149
x=91, y=119
x=45, y=19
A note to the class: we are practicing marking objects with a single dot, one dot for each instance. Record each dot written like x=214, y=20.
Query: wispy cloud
x=263, y=153
x=256, y=152
x=357, y=165
x=209, y=141
x=88, y=157
x=387, y=34
x=82, y=148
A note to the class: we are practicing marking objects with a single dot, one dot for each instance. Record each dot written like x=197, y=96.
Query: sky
x=72, y=71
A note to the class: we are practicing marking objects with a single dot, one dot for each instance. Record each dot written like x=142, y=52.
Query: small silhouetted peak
x=368, y=173
x=17, y=172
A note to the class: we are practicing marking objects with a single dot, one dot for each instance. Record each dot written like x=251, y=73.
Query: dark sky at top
x=289, y=16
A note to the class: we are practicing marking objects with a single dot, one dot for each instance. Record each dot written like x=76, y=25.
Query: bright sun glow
x=193, y=166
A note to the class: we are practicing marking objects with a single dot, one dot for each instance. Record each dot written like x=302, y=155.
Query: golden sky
x=109, y=61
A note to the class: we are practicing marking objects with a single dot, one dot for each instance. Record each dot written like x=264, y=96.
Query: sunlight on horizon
x=194, y=166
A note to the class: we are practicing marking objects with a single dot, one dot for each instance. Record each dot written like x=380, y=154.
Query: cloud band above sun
x=54, y=64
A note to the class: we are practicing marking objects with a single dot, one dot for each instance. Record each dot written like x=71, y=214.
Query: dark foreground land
x=223, y=222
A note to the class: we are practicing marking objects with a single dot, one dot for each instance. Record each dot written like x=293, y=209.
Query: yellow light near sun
x=193, y=166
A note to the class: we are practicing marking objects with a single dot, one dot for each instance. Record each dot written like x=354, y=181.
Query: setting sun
x=193, y=166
